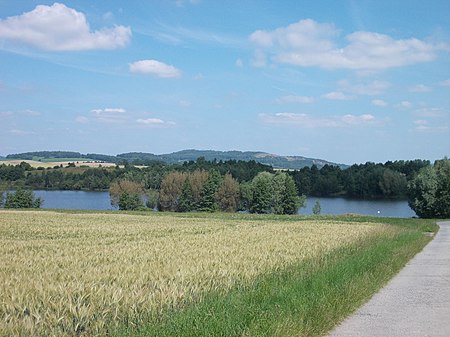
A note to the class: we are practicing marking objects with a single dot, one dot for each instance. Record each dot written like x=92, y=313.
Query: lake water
x=75, y=200
x=333, y=206
x=388, y=208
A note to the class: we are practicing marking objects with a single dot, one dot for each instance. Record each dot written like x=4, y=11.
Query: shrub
x=22, y=199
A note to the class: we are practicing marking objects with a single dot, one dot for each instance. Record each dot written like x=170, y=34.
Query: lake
x=75, y=200
x=333, y=206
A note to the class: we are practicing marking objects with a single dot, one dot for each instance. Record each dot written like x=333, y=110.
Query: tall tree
x=291, y=200
x=170, y=191
x=197, y=180
x=228, y=194
x=132, y=190
x=429, y=191
x=262, y=193
x=208, y=201
x=186, y=201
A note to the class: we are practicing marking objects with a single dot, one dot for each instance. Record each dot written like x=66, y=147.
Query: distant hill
x=276, y=161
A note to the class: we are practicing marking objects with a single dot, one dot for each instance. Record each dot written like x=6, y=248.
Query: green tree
x=245, y=196
x=228, y=194
x=393, y=184
x=208, y=201
x=291, y=201
x=262, y=193
x=152, y=198
x=278, y=192
x=22, y=199
x=186, y=200
x=130, y=202
x=429, y=191
x=197, y=180
x=317, y=208
x=442, y=205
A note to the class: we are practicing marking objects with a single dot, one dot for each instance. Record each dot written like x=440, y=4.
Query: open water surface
x=333, y=206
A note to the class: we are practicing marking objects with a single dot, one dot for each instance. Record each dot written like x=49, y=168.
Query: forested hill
x=276, y=161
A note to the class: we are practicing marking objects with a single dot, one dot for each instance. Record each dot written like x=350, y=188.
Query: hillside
x=276, y=161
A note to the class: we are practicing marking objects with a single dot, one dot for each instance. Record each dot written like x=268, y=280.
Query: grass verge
x=307, y=299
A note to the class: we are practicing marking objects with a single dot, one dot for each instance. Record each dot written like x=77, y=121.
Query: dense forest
x=203, y=185
x=370, y=180
x=95, y=179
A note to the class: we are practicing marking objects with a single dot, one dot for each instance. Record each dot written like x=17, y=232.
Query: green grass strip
x=307, y=299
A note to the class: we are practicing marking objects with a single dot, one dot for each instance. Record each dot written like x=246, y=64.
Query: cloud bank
x=308, y=43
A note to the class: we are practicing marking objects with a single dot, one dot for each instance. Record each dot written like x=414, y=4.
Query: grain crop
x=65, y=274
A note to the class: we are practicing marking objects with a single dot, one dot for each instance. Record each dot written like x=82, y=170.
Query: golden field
x=51, y=164
x=71, y=274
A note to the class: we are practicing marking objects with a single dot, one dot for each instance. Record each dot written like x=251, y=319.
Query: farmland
x=52, y=162
x=82, y=273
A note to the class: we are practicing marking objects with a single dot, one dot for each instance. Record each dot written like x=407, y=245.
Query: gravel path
x=415, y=303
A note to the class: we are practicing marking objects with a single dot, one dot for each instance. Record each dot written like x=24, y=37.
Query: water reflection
x=332, y=206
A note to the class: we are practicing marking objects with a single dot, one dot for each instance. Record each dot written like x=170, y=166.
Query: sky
x=346, y=81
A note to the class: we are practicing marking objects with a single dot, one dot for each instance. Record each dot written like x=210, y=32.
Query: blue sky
x=347, y=81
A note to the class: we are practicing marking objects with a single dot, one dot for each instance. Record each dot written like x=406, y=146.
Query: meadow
x=154, y=274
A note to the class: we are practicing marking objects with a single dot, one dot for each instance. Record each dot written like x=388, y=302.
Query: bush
x=22, y=199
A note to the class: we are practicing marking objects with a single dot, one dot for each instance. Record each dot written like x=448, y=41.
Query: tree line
x=203, y=185
x=369, y=180
x=209, y=191
x=101, y=178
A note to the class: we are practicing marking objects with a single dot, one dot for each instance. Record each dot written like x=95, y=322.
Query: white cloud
x=32, y=113
x=181, y=3
x=239, y=63
x=259, y=59
x=423, y=126
x=19, y=132
x=433, y=112
x=308, y=43
x=337, y=96
x=82, y=119
x=379, y=102
x=308, y=121
x=110, y=115
x=6, y=114
x=445, y=83
x=405, y=105
x=150, y=121
x=154, y=122
x=372, y=88
x=295, y=99
x=60, y=28
x=358, y=120
x=155, y=68
x=184, y=104
x=420, y=88
x=199, y=77
x=108, y=111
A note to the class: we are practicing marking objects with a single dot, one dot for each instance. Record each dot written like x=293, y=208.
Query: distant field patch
x=56, y=160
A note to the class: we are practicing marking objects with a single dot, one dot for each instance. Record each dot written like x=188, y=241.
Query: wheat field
x=65, y=274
